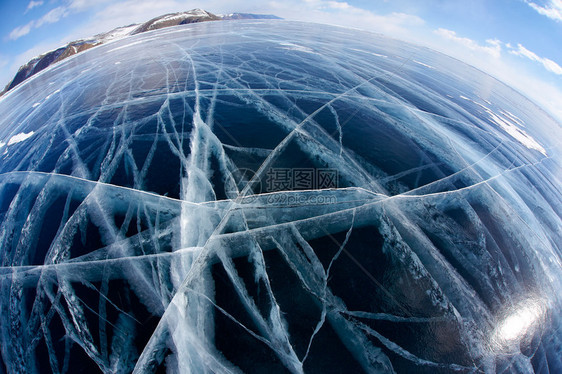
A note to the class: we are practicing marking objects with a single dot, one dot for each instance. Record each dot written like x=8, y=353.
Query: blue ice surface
x=138, y=231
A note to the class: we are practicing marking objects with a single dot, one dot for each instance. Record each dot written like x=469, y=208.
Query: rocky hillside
x=174, y=19
x=41, y=62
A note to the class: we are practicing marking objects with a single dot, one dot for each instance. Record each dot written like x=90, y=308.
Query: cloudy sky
x=517, y=41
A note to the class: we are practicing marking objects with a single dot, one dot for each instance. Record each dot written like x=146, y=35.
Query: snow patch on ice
x=296, y=47
x=510, y=123
x=20, y=137
x=518, y=134
x=422, y=64
x=370, y=53
x=49, y=96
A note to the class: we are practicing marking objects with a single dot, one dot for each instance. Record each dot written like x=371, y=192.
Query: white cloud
x=493, y=46
x=338, y=5
x=548, y=64
x=18, y=138
x=20, y=31
x=32, y=4
x=397, y=24
x=52, y=16
x=139, y=11
x=79, y=5
x=552, y=9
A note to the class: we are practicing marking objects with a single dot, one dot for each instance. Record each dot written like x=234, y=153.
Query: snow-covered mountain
x=174, y=19
x=41, y=62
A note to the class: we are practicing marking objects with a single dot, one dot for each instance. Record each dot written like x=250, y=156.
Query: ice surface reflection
x=519, y=321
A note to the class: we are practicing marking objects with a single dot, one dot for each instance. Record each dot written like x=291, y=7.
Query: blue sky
x=517, y=41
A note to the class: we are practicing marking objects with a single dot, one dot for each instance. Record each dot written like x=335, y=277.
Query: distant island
x=45, y=60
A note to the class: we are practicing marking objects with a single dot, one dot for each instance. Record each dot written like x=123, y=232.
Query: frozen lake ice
x=275, y=196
